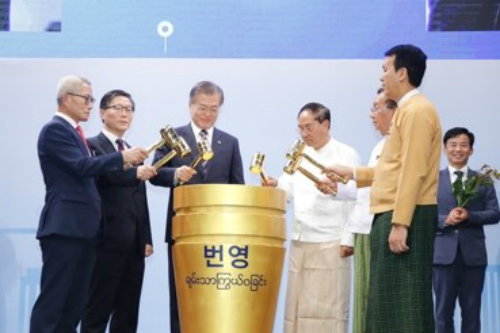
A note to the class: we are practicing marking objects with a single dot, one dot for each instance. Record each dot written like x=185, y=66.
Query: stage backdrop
x=270, y=57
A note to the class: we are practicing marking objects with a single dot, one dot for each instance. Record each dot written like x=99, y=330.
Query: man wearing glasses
x=205, y=101
x=70, y=219
x=125, y=234
x=360, y=221
x=319, y=273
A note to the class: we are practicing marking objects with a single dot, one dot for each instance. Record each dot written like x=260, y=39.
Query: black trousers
x=175, y=325
x=115, y=292
x=66, y=274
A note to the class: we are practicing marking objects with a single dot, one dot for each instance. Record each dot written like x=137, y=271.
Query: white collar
x=452, y=170
x=328, y=143
x=197, y=130
x=67, y=118
x=111, y=136
x=407, y=96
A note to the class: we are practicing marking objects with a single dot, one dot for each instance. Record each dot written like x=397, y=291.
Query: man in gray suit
x=460, y=252
x=226, y=167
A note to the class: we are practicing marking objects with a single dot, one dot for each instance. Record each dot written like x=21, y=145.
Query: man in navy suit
x=125, y=237
x=205, y=101
x=460, y=252
x=70, y=218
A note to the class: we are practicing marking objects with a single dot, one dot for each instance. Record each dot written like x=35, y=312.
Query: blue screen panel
x=292, y=29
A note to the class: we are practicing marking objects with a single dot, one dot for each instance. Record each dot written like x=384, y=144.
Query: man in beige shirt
x=403, y=199
x=360, y=221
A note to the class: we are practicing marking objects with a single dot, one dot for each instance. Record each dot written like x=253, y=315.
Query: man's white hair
x=70, y=84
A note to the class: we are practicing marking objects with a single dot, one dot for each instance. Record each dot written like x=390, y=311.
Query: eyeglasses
x=212, y=110
x=88, y=99
x=307, y=128
x=380, y=109
x=121, y=108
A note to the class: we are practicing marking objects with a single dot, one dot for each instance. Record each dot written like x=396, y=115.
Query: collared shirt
x=73, y=123
x=112, y=138
x=408, y=170
x=454, y=177
x=321, y=217
x=197, y=135
x=360, y=221
x=407, y=96
x=67, y=118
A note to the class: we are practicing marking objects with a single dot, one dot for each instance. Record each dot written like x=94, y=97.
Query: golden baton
x=150, y=149
x=160, y=143
x=178, y=146
x=257, y=166
x=205, y=154
x=292, y=166
x=297, y=150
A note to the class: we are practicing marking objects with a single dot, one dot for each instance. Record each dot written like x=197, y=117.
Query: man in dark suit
x=205, y=101
x=70, y=218
x=460, y=252
x=125, y=237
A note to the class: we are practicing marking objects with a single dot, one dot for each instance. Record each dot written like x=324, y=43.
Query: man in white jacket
x=320, y=268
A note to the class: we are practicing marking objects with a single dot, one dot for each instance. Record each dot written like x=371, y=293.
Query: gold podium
x=228, y=257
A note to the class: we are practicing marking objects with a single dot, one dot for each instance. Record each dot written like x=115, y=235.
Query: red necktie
x=80, y=133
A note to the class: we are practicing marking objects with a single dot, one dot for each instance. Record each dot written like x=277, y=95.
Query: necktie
x=204, y=134
x=458, y=183
x=82, y=136
x=120, y=144
x=204, y=137
x=460, y=176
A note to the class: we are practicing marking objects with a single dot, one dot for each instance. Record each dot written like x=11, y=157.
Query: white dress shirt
x=197, y=135
x=112, y=138
x=454, y=177
x=321, y=217
x=360, y=221
x=67, y=118
x=407, y=96
x=73, y=123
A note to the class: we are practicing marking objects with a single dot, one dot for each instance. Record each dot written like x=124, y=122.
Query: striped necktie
x=204, y=137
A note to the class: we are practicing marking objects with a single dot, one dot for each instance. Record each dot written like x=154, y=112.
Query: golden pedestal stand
x=228, y=257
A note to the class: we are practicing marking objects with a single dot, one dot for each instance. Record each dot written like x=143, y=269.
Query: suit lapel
x=73, y=132
x=106, y=145
x=470, y=173
x=187, y=133
x=217, y=141
x=445, y=180
x=217, y=144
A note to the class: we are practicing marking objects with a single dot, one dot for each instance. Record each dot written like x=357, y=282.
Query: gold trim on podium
x=228, y=257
